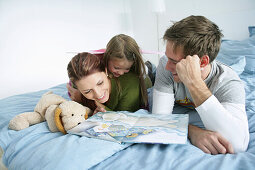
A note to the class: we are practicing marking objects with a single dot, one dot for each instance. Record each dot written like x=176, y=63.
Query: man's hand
x=188, y=70
x=73, y=93
x=189, y=73
x=208, y=141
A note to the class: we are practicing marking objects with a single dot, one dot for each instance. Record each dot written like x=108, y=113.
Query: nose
x=97, y=93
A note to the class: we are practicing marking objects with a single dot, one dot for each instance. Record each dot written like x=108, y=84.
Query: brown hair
x=125, y=47
x=196, y=35
x=81, y=65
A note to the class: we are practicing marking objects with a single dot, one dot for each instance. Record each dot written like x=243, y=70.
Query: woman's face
x=119, y=66
x=95, y=86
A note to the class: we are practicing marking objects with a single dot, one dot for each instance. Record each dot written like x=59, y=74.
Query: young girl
x=89, y=74
x=122, y=55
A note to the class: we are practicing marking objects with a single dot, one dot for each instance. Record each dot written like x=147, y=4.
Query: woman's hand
x=100, y=107
x=73, y=93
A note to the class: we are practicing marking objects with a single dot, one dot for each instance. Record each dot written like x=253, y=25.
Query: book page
x=135, y=127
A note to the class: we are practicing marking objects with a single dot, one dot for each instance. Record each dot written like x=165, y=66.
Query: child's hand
x=73, y=93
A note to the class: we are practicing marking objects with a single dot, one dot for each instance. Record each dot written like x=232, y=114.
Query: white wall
x=37, y=34
x=232, y=16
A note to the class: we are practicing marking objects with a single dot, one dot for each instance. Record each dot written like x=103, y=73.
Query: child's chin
x=116, y=75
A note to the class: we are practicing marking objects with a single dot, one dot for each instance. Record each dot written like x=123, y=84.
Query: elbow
x=241, y=145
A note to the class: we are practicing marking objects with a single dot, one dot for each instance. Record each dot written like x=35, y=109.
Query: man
x=189, y=76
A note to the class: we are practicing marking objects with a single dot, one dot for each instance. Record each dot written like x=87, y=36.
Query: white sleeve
x=228, y=119
x=163, y=103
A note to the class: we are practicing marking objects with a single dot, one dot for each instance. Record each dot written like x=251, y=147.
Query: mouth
x=101, y=98
x=116, y=75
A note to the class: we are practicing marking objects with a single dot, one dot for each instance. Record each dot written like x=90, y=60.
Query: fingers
x=99, y=109
x=211, y=146
x=210, y=142
x=227, y=145
x=219, y=148
x=204, y=149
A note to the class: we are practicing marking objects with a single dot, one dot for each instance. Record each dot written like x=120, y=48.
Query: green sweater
x=127, y=97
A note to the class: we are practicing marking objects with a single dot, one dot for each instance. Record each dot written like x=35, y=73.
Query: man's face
x=173, y=59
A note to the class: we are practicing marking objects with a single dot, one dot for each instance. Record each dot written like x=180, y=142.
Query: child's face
x=119, y=66
x=95, y=86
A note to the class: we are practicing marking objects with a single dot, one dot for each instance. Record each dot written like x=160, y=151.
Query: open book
x=135, y=127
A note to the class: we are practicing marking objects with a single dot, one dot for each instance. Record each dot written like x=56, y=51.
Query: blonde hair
x=125, y=47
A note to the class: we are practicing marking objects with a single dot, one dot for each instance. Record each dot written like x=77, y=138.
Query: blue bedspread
x=145, y=156
x=38, y=148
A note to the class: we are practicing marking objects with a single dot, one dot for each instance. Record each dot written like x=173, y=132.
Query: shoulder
x=226, y=85
x=161, y=67
x=225, y=73
x=164, y=80
x=163, y=60
x=128, y=77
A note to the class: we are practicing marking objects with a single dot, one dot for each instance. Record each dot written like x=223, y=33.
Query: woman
x=88, y=74
x=122, y=55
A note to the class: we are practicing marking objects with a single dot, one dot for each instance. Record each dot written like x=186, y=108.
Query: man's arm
x=163, y=97
x=163, y=103
x=228, y=119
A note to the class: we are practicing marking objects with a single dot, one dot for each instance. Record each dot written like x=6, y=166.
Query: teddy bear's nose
x=79, y=123
x=72, y=114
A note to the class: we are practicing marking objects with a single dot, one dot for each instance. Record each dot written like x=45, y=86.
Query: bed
x=38, y=148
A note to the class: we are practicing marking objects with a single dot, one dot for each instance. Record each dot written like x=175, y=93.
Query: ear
x=106, y=71
x=204, y=61
x=58, y=120
x=88, y=113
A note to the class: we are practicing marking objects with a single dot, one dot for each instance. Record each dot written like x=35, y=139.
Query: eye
x=79, y=123
x=72, y=114
x=87, y=91
x=100, y=83
x=81, y=115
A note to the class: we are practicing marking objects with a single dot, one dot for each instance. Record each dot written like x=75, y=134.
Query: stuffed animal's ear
x=58, y=120
x=88, y=113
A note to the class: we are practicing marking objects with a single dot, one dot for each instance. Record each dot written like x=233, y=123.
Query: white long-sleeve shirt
x=223, y=112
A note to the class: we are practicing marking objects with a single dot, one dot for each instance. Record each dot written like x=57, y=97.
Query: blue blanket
x=38, y=148
x=145, y=156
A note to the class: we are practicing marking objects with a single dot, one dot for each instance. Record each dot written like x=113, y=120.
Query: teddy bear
x=60, y=114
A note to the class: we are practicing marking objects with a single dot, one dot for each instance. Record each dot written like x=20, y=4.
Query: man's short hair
x=195, y=35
